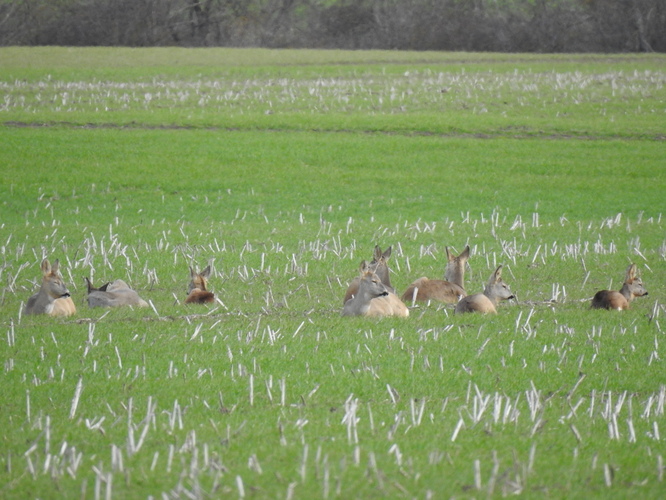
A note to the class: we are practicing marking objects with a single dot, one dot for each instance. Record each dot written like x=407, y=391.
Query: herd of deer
x=54, y=298
x=370, y=294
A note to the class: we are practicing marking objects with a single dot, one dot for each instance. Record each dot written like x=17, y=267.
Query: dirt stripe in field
x=509, y=133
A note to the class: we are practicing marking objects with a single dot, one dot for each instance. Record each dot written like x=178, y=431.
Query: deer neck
x=491, y=294
x=455, y=274
x=626, y=292
x=382, y=273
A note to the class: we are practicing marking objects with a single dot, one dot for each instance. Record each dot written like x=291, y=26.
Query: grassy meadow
x=283, y=170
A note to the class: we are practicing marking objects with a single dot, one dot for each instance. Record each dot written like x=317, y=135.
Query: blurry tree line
x=469, y=25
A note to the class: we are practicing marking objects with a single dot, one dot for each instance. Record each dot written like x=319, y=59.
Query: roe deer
x=197, y=292
x=610, y=299
x=53, y=297
x=449, y=290
x=113, y=294
x=370, y=287
x=379, y=265
x=386, y=305
x=486, y=302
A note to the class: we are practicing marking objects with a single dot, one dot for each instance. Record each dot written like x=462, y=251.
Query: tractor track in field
x=507, y=133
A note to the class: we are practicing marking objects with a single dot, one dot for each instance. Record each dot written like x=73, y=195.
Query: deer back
x=609, y=299
x=388, y=305
x=449, y=290
x=114, y=294
x=478, y=302
x=486, y=302
x=424, y=289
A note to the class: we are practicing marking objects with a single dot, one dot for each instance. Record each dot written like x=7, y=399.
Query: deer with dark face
x=449, y=290
x=486, y=302
x=631, y=288
x=197, y=291
x=53, y=297
x=114, y=294
x=370, y=288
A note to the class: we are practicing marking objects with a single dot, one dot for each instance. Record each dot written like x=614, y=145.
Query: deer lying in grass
x=113, y=294
x=53, y=297
x=379, y=265
x=370, y=288
x=610, y=299
x=385, y=305
x=449, y=290
x=487, y=301
x=197, y=293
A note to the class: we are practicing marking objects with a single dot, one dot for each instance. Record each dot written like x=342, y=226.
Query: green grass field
x=283, y=169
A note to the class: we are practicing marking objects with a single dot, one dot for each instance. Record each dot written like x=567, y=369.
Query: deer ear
x=55, y=266
x=465, y=253
x=631, y=272
x=193, y=274
x=206, y=272
x=46, y=266
x=449, y=255
x=363, y=268
x=387, y=253
x=377, y=253
x=498, y=274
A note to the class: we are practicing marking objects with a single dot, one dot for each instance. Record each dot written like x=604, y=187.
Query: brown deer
x=197, y=293
x=449, y=290
x=53, y=297
x=114, y=294
x=370, y=288
x=487, y=301
x=379, y=265
x=610, y=299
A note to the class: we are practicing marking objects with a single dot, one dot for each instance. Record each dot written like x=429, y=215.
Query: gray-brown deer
x=385, y=305
x=114, y=294
x=631, y=288
x=53, y=297
x=449, y=290
x=486, y=302
x=370, y=288
x=197, y=291
x=379, y=265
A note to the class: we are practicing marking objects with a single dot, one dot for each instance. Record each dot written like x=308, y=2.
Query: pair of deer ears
x=204, y=274
x=91, y=288
x=631, y=272
x=366, y=267
x=379, y=255
x=463, y=255
x=48, y=269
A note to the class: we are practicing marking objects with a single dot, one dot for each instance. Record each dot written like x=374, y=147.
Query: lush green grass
x=432, y=93
x=270, y=393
